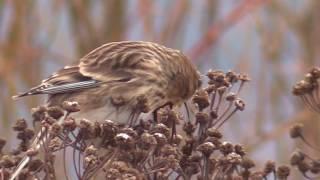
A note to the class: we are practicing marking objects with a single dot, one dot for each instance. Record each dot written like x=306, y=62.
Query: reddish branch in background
x=221, y=26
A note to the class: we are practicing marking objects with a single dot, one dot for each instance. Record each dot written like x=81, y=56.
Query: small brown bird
x=110, y=82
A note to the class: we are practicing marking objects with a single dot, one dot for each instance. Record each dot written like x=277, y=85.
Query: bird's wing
x=68, y=79
x=117, y=62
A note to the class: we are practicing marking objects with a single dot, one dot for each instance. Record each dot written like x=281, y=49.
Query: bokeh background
x=273, y=41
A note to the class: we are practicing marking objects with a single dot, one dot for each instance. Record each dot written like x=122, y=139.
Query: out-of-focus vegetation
x=273, y=41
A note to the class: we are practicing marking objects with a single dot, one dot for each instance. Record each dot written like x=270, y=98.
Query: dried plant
x=148, y=149
x=308, y=90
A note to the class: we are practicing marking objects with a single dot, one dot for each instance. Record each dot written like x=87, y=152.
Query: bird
x=109, y=81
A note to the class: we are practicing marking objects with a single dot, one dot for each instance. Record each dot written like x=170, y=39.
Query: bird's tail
x=40, y=139
x=21, y=95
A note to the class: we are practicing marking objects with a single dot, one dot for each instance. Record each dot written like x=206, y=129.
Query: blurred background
x=275, y=42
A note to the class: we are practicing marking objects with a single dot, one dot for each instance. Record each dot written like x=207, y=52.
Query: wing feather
x=112, y=62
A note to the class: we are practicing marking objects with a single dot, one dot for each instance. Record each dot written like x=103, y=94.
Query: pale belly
x=121, y=115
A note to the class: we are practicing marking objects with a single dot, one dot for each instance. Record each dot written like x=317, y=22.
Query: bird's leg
x=174, y=129
x=155, y=115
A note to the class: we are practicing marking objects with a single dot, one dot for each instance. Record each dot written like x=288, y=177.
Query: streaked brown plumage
x=125, y=70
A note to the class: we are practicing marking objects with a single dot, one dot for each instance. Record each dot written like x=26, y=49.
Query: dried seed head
x=124, y=141
x=283, y=172
x=234, y=158
x=48, y=121
x=90, y=160
x=55, y=129
x=216, y=75
x=247, y=163
x=296, y=158
x=296, y=131
x=91, y=150
x=226, y=148
x=120, y=165
x=161, y=139
x=222, y=162
x=201, y=99
x=20, y=125
x=87, y=129
x=315, y=72
x=211, y=74
x=39, y=113
x=112, y=174
x=196, y=158
x=147, y=141
x=188, y=147
x=202, y=118
x=35, y=164
x=214, y=114
x=177, y=139
x=309, y=78
x=231, y=96
x=109, y=127
x=215, y=141
x=231, y=77
x=269, y=167
x=55, y=144
x=161, y=128
x=55, y=112
x=239, y=103
x=189, y=128
x=71, y=106
x=244, y=77
x=109, y=130
x=69, y=124
x=129, y=131
x=206, y=148
x=210, y=89
x=146, y=125
x=302, y=87
x=25, y=135
x=239, y=150
x=168, y=150
x=221, y=90
x=213, y=132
